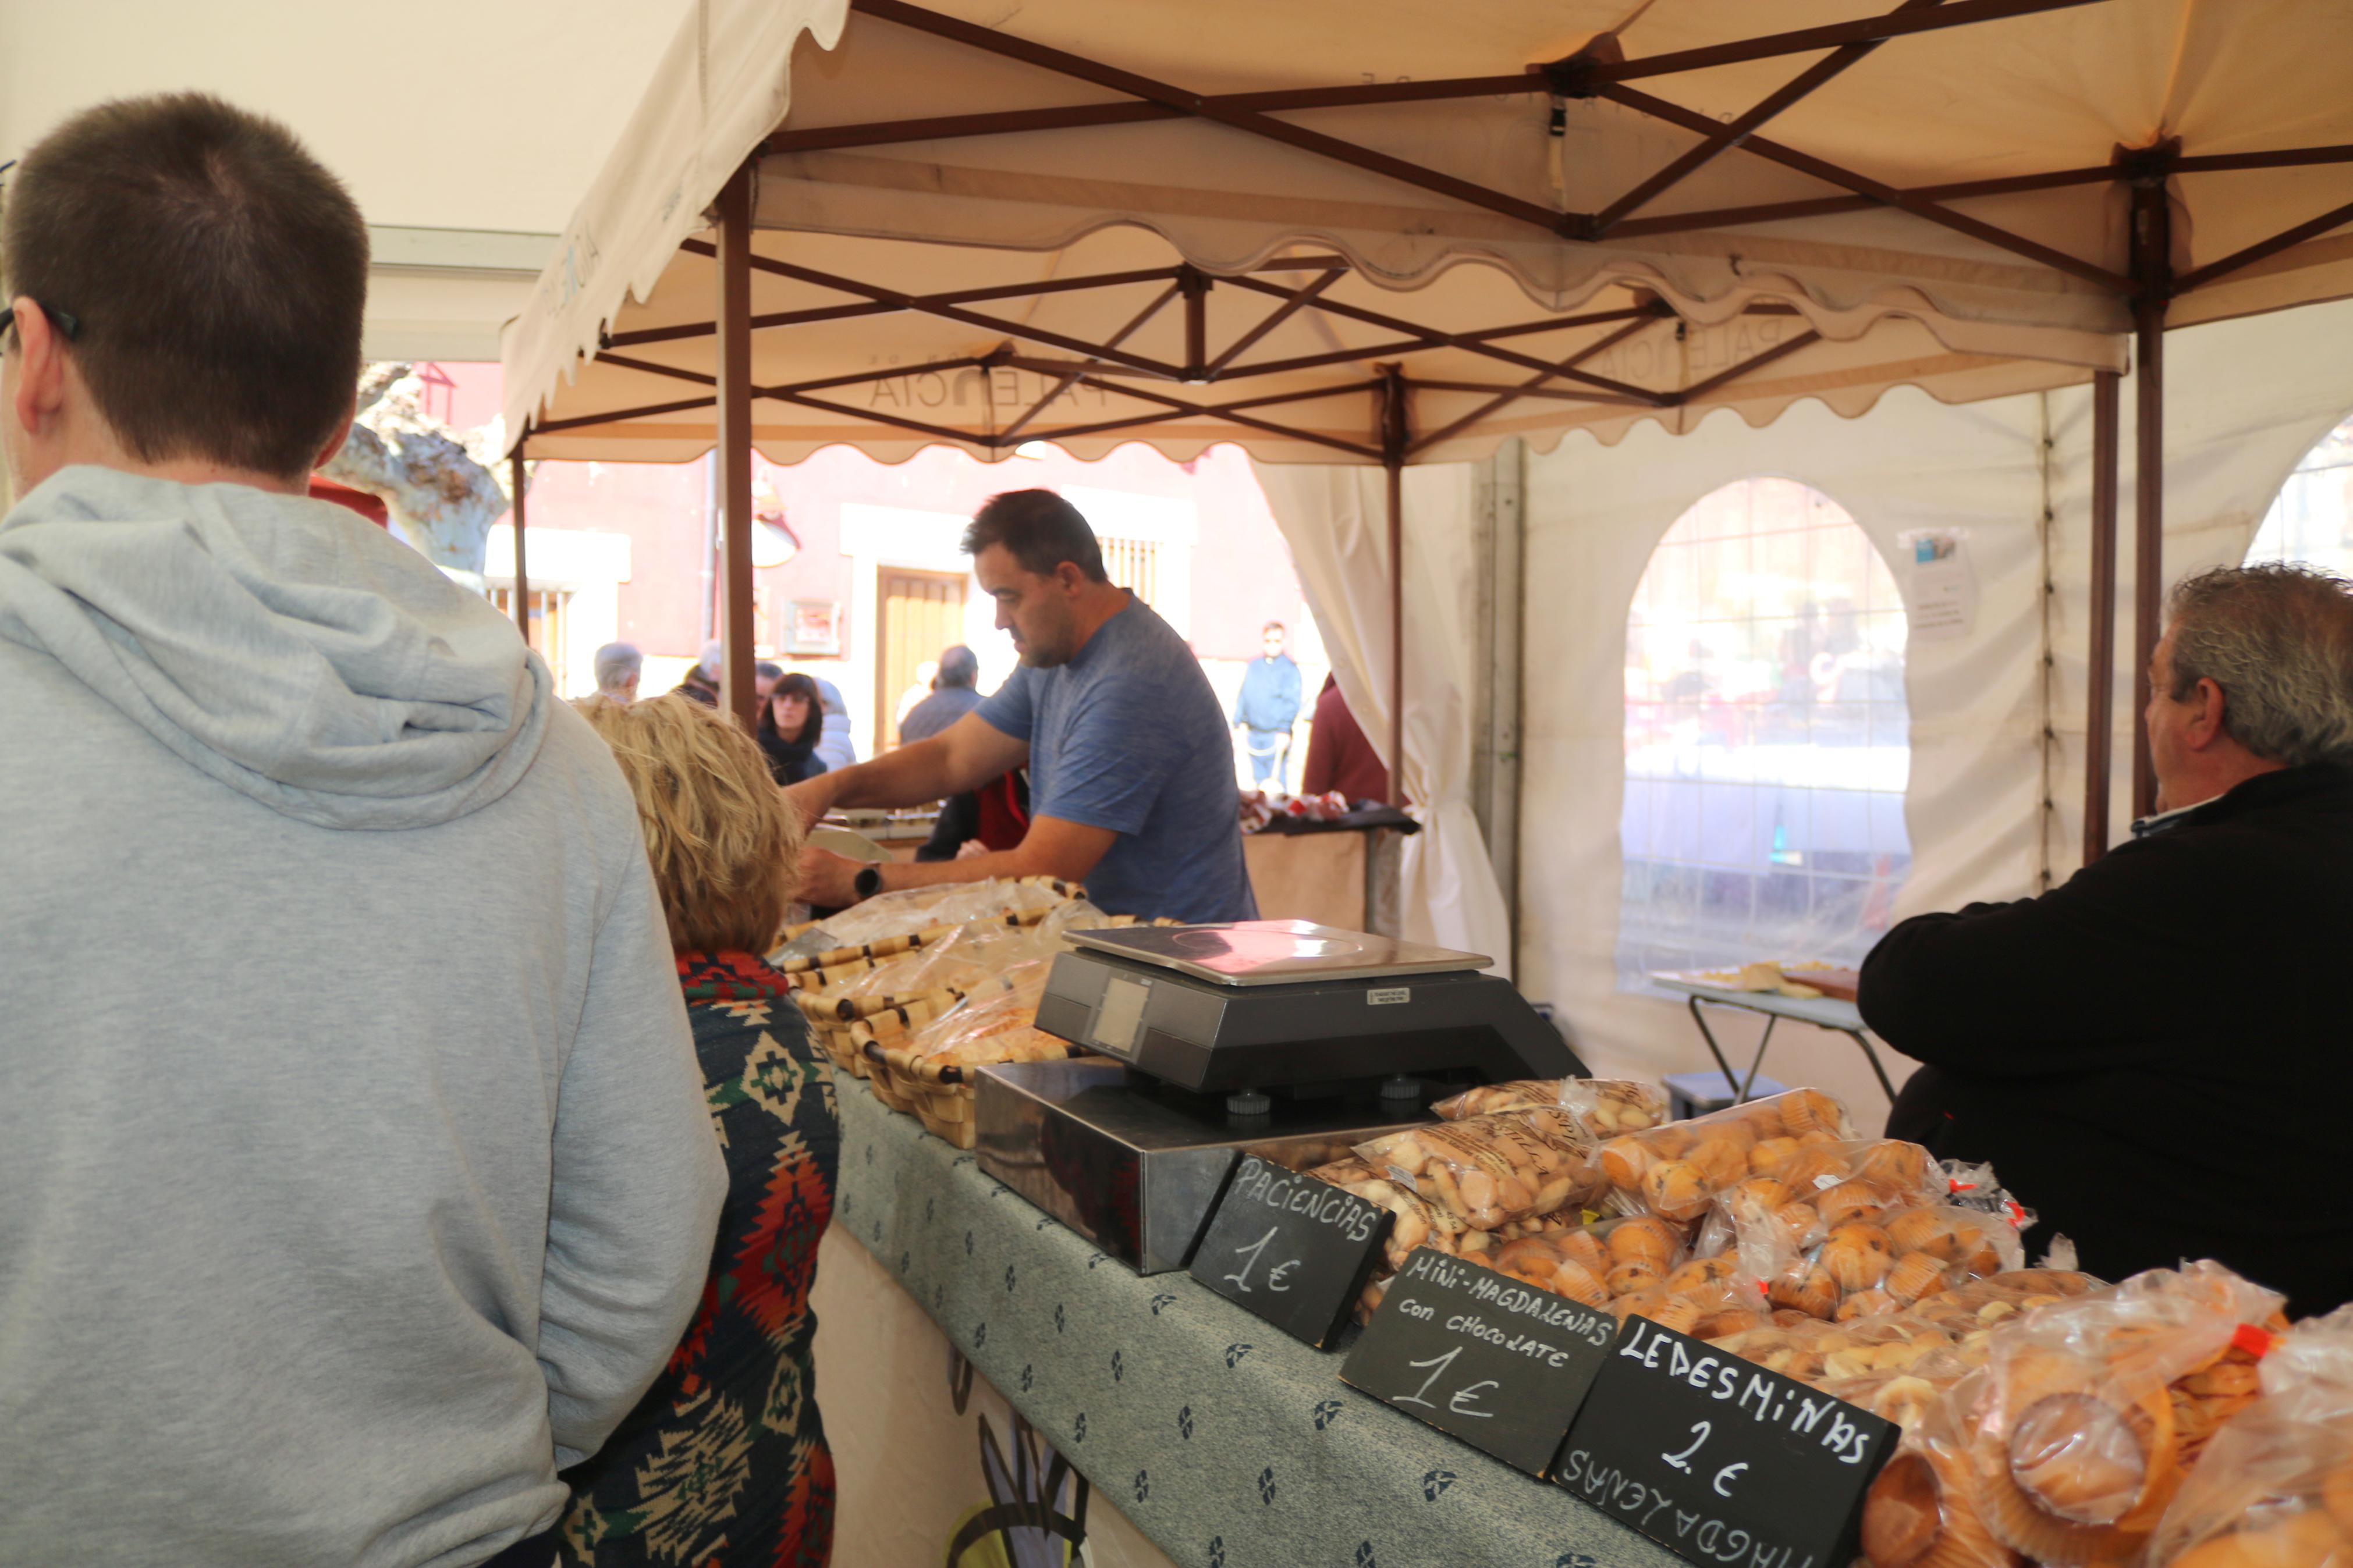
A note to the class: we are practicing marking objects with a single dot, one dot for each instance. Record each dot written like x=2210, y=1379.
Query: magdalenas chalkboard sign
x=1294, y=1250
x=1500, y=1365
x=1717, y=1459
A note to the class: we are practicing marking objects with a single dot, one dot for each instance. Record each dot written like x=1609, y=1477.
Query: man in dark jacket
x=2154, y=1056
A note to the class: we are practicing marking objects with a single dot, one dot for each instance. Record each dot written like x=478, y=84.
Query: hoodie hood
x=279, y=644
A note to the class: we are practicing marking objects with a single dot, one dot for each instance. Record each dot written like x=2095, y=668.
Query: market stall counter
x=1226, y=1443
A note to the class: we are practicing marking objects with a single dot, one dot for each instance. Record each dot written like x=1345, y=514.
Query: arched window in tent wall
x=1767, y=741
x=2311, y=519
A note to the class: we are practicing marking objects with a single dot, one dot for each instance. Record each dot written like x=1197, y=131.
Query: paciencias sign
x=1290, y=1249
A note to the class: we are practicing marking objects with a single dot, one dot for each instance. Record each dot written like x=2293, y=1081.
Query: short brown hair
x=2278, y=638
x=724, y=843
x=1040, y=529
x=219, y=273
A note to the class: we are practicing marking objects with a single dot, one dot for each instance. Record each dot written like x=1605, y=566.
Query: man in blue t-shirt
x=1131, y=772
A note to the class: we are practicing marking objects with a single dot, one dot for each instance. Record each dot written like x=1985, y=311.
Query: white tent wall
x=1594, y=515
x=2247, y=399
x=1337, y=522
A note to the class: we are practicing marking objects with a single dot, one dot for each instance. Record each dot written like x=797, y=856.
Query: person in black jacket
x=792, y=721
x=2156, y=1056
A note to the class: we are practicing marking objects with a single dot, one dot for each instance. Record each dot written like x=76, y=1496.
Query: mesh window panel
x=1766, y=738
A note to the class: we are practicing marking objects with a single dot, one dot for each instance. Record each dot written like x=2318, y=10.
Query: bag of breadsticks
x=1676, y=1171
x=2275, y=1486
x=2092, y=1407
x=1490, y=1171
x=995, y=1022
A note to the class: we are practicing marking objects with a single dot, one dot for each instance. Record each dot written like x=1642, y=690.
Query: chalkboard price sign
x=1294, y=1250
x=1719, y=1460
x=1477, y=1354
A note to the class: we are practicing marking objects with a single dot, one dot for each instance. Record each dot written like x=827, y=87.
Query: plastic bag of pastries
x=1490, y=1171
x=1860, y=1231
x=1923, y=1509
x=2075, y=1441
x=1677, y=1171
x=1605, y=1107
x=1416, y=1223
x=2275, y=1488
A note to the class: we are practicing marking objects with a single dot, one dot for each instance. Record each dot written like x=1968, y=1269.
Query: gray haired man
x=619, y=665
x=2104, y=1042
x=953, y=696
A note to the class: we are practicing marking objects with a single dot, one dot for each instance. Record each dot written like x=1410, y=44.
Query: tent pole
x=2099, y=723
x=737, y=692
x=522, y=578
x=1395, y=486
x=2152, y=271
x=1393, y=444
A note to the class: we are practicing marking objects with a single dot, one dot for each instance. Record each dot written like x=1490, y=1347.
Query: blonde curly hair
x=724, y=843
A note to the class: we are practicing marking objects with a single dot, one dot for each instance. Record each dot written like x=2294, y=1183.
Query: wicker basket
x=870, y=1037
x=941, y=1096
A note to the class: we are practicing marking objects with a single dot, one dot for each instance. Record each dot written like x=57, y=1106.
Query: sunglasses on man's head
x=68, y=326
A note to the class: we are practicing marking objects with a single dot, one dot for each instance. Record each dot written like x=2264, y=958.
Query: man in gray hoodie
x=355, y=1171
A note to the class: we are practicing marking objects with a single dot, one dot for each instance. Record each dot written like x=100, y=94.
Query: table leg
x=1763, y=1040
x=1872, y=1058
x=1712, y=1048
x=1738, y=1085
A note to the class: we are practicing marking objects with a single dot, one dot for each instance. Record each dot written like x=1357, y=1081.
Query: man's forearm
x=912, y=775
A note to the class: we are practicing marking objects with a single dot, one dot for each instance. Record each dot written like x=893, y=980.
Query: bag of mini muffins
x=2092, y=1409
x=1604, y=1107
x=2275, y=1487
x=1677, y=1171
x=1493, y=1170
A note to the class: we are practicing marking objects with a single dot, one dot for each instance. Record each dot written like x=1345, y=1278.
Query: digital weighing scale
x=1281, y=1039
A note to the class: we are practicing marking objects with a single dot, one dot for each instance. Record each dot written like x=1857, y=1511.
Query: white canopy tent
x=1409, y=234
x=1998, y=752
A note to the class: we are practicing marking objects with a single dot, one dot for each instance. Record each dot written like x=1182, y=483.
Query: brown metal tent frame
x=2146, y=287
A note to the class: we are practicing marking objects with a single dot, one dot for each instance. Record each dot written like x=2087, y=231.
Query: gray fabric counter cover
x=1228, y=1444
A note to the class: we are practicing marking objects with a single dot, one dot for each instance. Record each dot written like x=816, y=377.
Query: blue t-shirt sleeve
x=1012, y=706
x=1116, y=755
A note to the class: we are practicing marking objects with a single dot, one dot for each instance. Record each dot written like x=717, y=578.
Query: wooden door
x=917, y=617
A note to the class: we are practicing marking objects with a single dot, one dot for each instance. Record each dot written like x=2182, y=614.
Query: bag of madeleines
x=2275, y=1488
x=2093, y=1408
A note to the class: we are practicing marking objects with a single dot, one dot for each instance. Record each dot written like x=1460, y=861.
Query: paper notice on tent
x=1940, y=591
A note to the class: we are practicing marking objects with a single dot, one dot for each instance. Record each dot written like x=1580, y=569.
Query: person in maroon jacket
x=1339, y=757
x=2154, y=1055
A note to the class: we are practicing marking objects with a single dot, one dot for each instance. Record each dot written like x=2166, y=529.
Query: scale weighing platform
x=1280, y=1039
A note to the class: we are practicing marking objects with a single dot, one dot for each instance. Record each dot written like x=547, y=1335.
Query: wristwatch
x=868, y=882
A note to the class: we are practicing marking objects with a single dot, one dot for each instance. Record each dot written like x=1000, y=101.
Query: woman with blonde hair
x=724, y=1460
